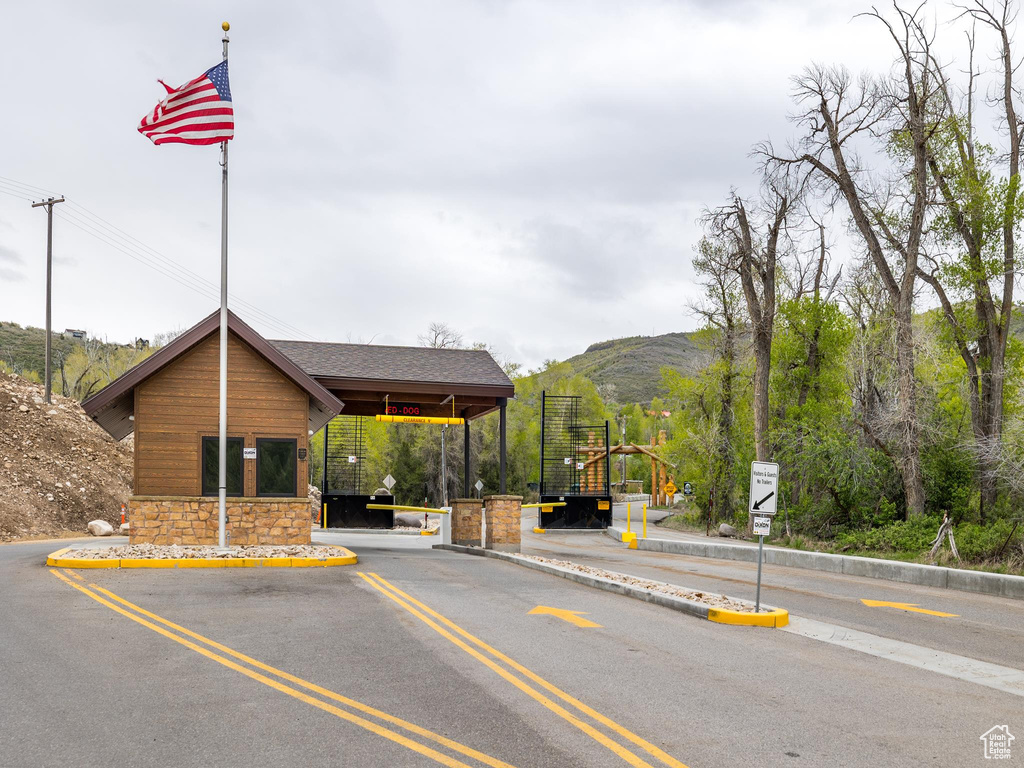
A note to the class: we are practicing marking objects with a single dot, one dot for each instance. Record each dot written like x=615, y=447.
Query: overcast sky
x=528, y=172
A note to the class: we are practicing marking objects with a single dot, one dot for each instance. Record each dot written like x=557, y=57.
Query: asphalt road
x=985, y=627
x=333, y=667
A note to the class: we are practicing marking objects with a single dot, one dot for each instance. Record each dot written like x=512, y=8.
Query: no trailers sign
x=764, y=487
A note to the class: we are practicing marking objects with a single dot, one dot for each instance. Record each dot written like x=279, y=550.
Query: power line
x=109, y=234
x=202, y=287
x=124, y=243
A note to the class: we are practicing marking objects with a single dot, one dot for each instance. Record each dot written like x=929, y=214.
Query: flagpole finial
x=225, y=26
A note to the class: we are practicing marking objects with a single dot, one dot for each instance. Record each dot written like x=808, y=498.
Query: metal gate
x=575, y=467
x=343, y=488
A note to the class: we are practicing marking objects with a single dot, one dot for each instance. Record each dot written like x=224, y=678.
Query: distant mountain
x=633, y=365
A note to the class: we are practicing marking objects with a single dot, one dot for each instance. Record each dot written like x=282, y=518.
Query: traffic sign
x=479, y=485
x=389, y=482
x=670, y=488
x=687, y=489
x=764, y=487
x=762, y=526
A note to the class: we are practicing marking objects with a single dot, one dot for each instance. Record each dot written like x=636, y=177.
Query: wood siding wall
x=178, y=406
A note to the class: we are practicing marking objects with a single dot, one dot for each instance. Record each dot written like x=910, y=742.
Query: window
x=276, y=466
x=211, y=468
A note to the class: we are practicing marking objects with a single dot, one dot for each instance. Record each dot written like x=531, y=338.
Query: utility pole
x=49, y=203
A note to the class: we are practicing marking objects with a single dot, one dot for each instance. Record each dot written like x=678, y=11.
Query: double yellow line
x=135, y=613
x=466, y=641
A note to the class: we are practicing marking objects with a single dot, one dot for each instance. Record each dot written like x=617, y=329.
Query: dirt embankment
x=58, y=469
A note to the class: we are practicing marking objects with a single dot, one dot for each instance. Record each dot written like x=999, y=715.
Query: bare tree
x=903, y=111
x=720, y=310
x=754, y=255
x=441, y=336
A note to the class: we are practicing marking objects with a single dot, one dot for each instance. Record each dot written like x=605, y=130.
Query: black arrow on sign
x=757, y=504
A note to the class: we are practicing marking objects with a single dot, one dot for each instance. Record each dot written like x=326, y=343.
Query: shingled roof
x=329, y=361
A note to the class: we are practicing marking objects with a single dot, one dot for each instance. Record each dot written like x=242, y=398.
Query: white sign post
x=764, y=487
x=764, y=495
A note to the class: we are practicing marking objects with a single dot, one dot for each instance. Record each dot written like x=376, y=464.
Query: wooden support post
x=662, y=440
x=654, y=475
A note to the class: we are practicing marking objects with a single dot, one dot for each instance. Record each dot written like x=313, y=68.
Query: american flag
x=199, y=112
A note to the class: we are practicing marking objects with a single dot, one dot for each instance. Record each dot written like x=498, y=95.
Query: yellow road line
x=660, y=754
x=533, y=693
x=412, y=727
x=73, y=575
x=355, y=719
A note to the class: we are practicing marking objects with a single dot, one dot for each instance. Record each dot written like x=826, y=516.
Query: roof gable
x=113, y=406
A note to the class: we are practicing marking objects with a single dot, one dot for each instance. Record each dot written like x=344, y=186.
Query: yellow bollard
x=629, y=521
x=645, y=521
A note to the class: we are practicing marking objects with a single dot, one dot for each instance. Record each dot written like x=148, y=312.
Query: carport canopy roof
x=364, y=375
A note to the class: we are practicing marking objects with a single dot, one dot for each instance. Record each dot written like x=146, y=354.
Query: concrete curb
x=378, y=531
x=771, y=617
x=56, y=560
x=964, y=580
x=568, y=530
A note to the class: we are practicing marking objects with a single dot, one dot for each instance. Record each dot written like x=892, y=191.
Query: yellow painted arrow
x=573, y=617
x=907, y=607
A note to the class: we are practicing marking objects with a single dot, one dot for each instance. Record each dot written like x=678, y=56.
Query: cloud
x=504, y=166
x=10, y=256
x=9, y=260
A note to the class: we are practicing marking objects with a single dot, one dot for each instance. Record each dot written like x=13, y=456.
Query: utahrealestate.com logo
x=997, y=742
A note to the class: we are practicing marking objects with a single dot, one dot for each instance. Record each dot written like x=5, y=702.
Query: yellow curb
x=54, y=555
x=56, y=560
x=627, y=537
x=73, y=562
x=429, y=533
x=540, y=530
x=204, y=562
x=140, y=562
x=776, y=618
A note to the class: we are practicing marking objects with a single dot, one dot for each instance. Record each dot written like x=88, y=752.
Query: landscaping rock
x=177, y=552
x=714, y=600
x=726, y=530
x=101, y=528
x=125, y=527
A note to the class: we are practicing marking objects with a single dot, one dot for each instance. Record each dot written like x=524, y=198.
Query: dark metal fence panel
x=559, y=470
x=592, y=453
x=344, y=454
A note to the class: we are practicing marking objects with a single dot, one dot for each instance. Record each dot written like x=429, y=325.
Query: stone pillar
x=466, y=519
x=504, y=514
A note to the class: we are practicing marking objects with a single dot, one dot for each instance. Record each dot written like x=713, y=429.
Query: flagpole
x=223, y=442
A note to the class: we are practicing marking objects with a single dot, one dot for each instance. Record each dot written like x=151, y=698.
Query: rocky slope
x=58, y=470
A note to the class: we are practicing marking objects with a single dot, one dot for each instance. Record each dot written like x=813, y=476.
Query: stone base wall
x=193, y=520
x=466, y=521
x=504, y=518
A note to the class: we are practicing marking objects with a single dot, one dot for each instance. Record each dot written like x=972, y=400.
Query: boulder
x=410, y=519
x=726, y=530
x=101, y=528
x=124, y=529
